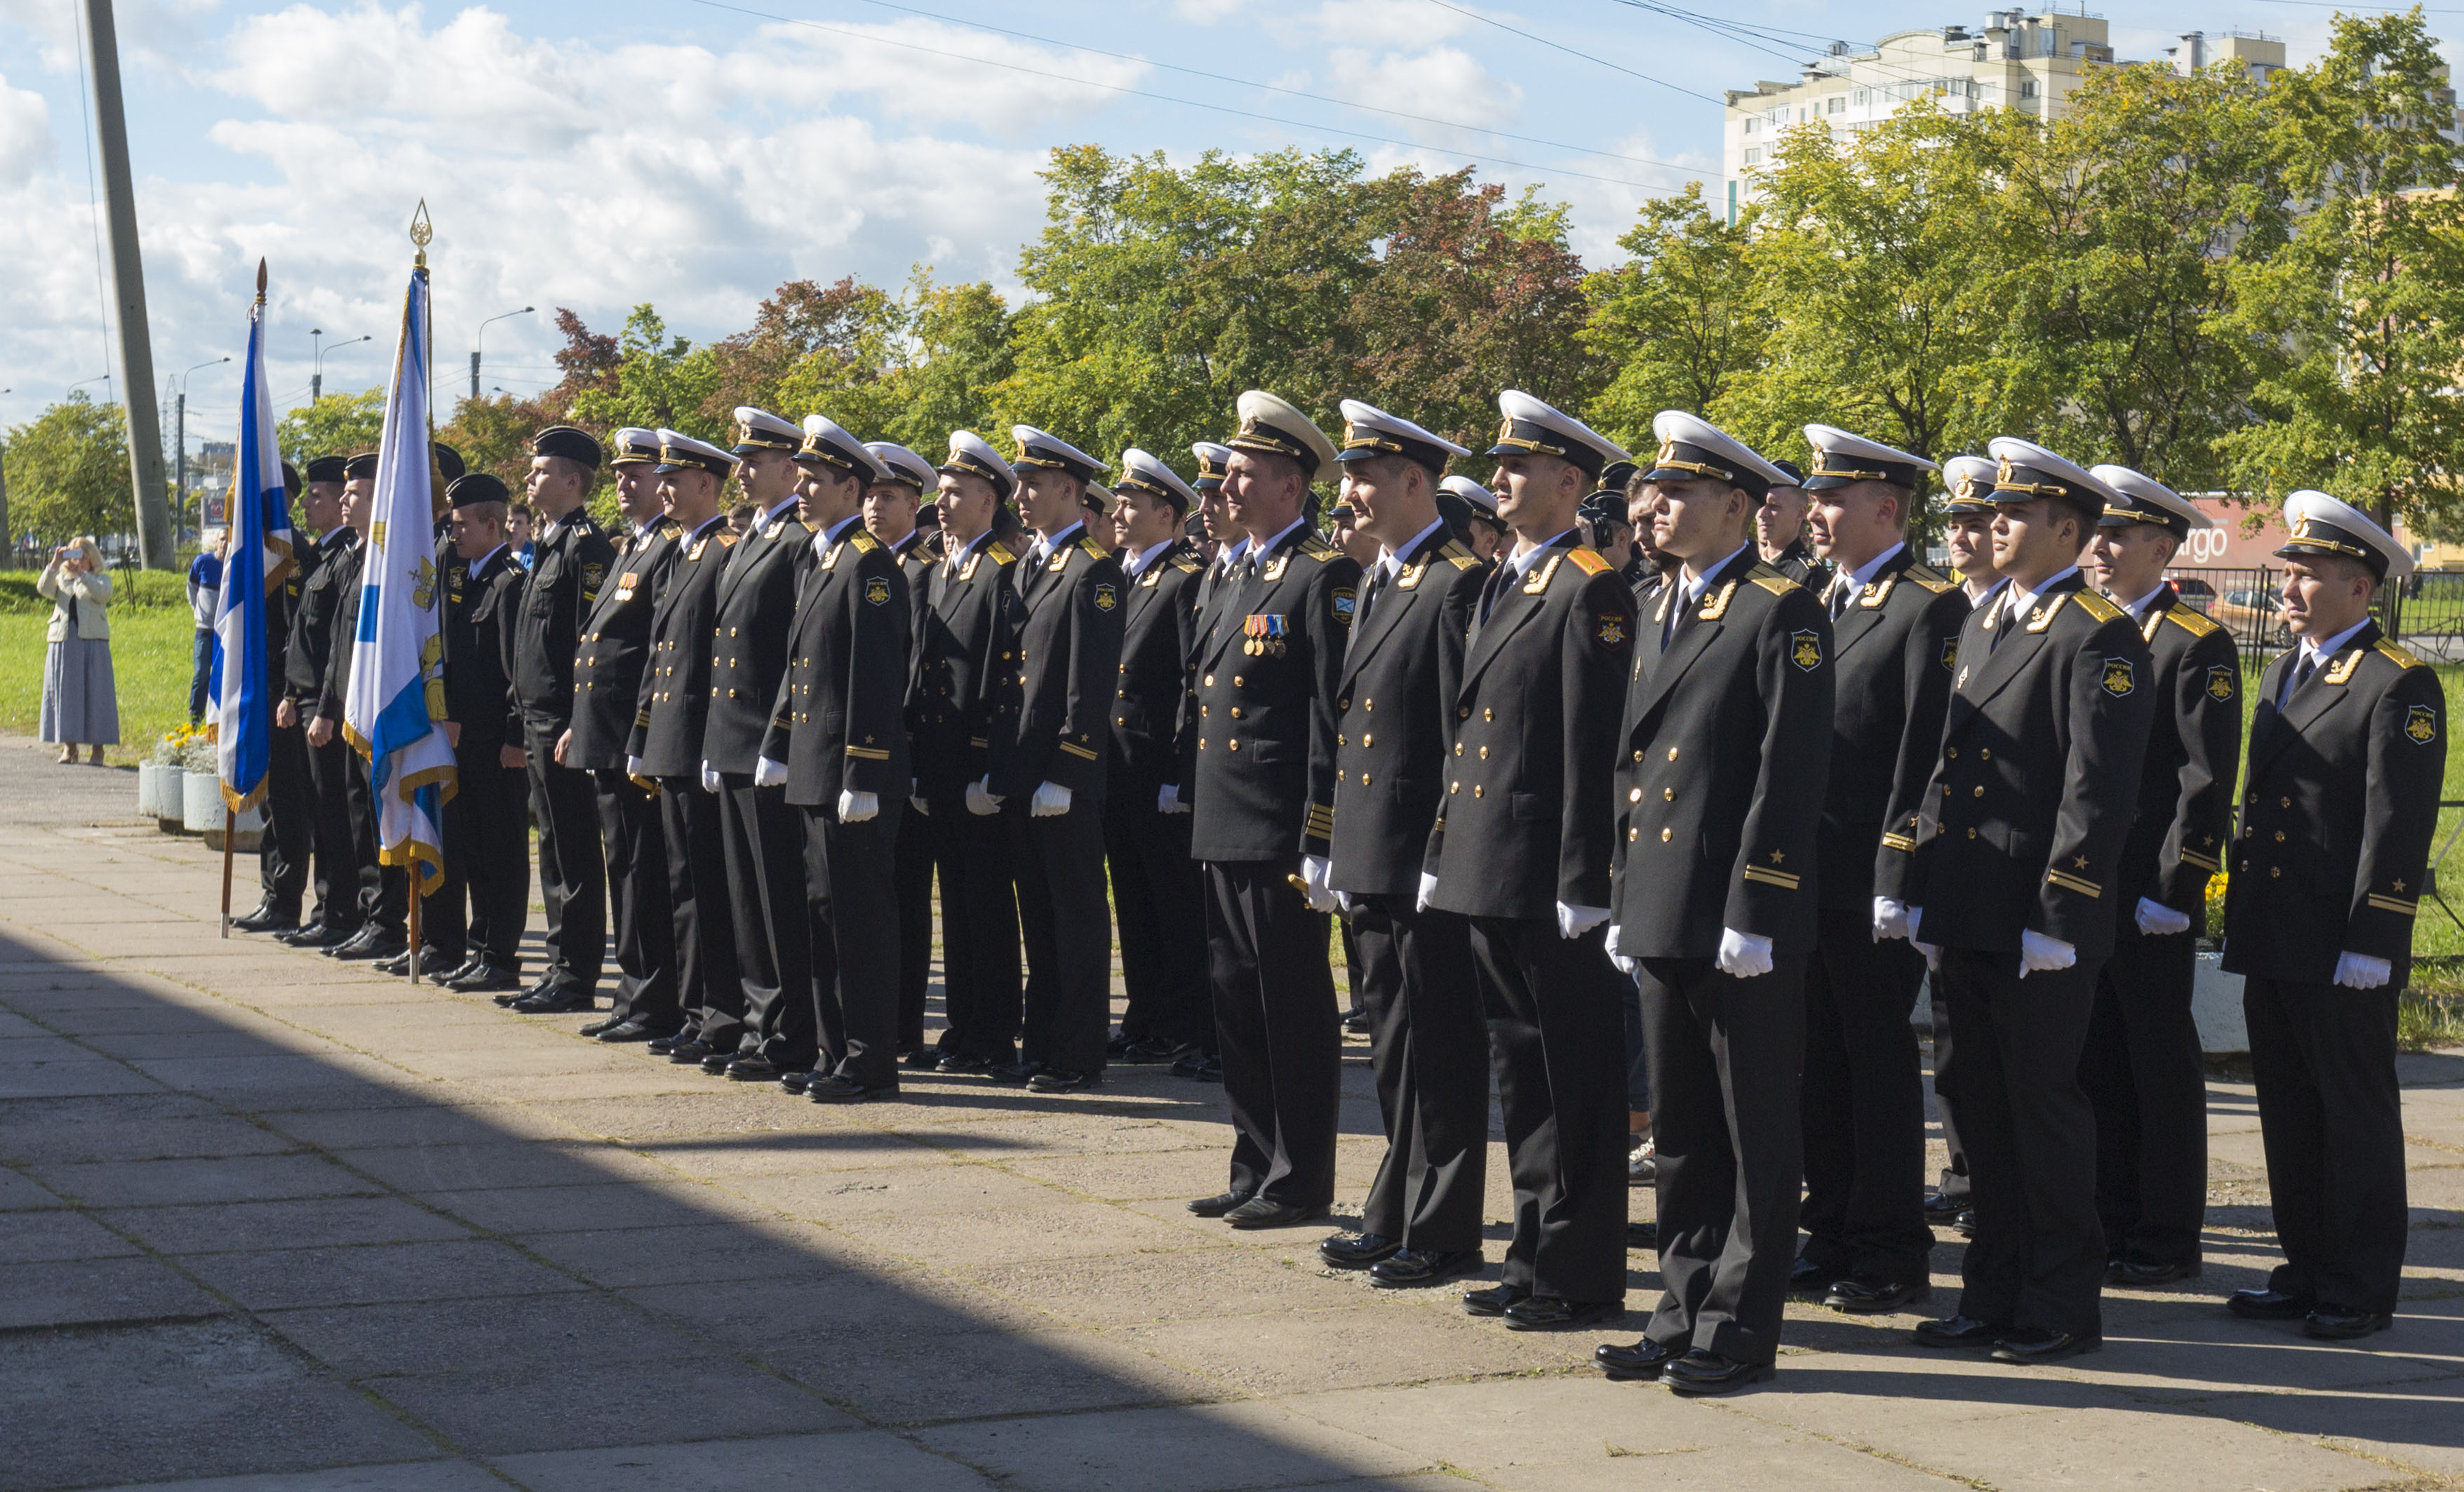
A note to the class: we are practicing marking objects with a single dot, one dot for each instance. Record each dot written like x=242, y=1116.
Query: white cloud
x=1206, y=13
x=1385, y=23
x=1445, y=83
x=24, y=135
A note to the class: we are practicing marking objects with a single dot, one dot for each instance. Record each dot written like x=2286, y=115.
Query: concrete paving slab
x=1191, y=1448
x=908, y=1190
x=1204, y=1283
x=1375, y=1342
x=697, y=1254
x=435, y=1476
x=2418, y=1427
x=76, y=1291
x=927, y=1379
x=1785, y=1459
x=22, y=1192
x=323, y=1223
x=215, y=1178
x=545, y=1334
x=558, y=1209
x=39, y=1237
x=858, y=1459
x=428, y=1123
x=505, y=1411
x=1062, y=1230
x=377, y=1273
x=162, y=1133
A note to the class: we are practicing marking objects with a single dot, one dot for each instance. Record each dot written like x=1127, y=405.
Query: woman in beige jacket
x=80, y=703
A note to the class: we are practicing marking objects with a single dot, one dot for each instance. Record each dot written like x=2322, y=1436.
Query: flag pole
x=421, y=235
x=228, y=819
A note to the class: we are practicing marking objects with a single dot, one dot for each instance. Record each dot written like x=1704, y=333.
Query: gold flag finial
x=420, y=232
x=261, y=282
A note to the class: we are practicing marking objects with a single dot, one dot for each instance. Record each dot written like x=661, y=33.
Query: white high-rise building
x=2016, y=60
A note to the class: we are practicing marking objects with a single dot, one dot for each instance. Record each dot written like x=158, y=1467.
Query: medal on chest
x=1263, y=633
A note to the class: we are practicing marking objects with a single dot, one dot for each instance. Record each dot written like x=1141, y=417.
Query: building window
x=1751, y=123
x=2027, y=90
x=1839, y=104
x=1754, y=156
x=1778, y=116
x=1862, y=98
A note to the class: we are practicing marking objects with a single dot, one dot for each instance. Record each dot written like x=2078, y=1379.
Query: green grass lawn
x=149, y=661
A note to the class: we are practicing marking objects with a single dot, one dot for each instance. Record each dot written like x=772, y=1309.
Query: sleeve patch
x=1611, y=629
x=2120, y=677
x=1950, y=653
x=2421, y=725
x=1106, y=598
x=1346, y=603
x=1805, y=649
x=2222, y=685
x=876, y=591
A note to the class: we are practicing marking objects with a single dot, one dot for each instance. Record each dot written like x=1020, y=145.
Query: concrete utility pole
x=154, y=541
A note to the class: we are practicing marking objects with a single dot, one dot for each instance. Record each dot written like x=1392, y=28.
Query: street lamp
x=180, y=482
x=99, y=378
x=482, y=341
x=317, y=379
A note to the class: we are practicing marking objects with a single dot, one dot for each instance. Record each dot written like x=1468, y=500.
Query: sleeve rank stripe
x=2071, y=883
x=1768, y=877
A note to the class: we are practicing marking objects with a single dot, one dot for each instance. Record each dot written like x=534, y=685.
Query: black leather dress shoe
x=267, y=918
x=1957, y=1331
x=317, y=934
x=960, y=1062
x=2268, y=1306
x=558, y=1001
x=793, y=1084
x=1220, y=1203
x=752, y=1067
x=693, y=1053
x=367, y=947
x=1875, y=1297
x=1117, y=1043
x=1805, y=1277
x=445, y=971
x=1187, y=1064
x=1411, y=1268
x=1698, y=1374
x=632, y=1028
x=1151, y=1051
x=2140, y=1274
x=682, y=1035
x=1642, y=1235
x=1016, y=1073
x=2043, y=1344
x=922, y=1059
x=1210, y=1069
x=594, y=1027
x=1492, y=1300
x=1059, y=1079
x=1549, y=1313
x=833, y=1088
x=1356, y=1251
x=1260, y=1212
x=2335, y=1324
x=487, y=979
x=1964, y=1224
x=1642, y=1362
x=397, y=966
x=359, y=938
x=1942, y=1206
x=1356, y=1021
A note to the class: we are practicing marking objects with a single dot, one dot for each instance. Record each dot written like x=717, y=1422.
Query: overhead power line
x=1588, y=57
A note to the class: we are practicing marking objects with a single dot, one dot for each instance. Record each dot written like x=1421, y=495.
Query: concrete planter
x=201, y=801
x=152, y=781
x=2215, y=1004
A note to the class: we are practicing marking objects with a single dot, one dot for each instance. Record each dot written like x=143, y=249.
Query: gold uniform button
x=1487, y=714
x=1638, y=756
x=1236, y=681
x=1368, y=704
x=2284, y=802
x=2273, y=871
x=1364, y=779
x=1235, y=712
x=1210, y=681
x=1342, y=704
x=1483, y=754
x=1338, y=738
x=1985, y=754
x=1454, y=788
x=1971, y=834
x=1979, y=792
x=1665, y=835
x=1668, y=795
x=1458, y=748
x=1633, y=834
x=1232, y=745
x=1951, y=752
x=1368, y=741
x=1475, y=790
x=2280, y=836
x=1672, y=754
x=1634, y=795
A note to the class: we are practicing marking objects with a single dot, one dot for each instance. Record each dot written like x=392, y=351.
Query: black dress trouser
x=1157, y=901
x=911, y=861
x=2037, y=1260
x=1863, y=1105
x=764, y=839
x=2148, y=1080
x=289, y=824
x=851, y=922
x=1067, y=929
x=487, y=850
x=1953, y=1183
x=2332, y=1123
x=708, y=987
x=573, y=875
x=384, y=893
x=634, y=850
x=1280, y=1033
x=1556, y=1037
x=980, y=952
x=1429, y=1049
x=337, y=866
x=1725, y=1120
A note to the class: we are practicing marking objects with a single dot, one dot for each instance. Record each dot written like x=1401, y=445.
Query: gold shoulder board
x=1184, y=564
x=1461, y=558
x=2401, y=659
x=1588, y=559
x=2189, y=621
x=1317, y=548
x=1928, y=576
x=1000, y=553
x=727, y=541
x=863, y=540
x=1776, y=584
x=1088, y=543
x=2094, y=604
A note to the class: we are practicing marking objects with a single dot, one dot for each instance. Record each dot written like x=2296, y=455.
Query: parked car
x=2197, y=594
x=2254, y=614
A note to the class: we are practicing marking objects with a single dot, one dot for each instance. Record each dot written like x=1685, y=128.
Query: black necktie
x=1496, y=587
x=1840, y=590
x=1678, y=602
x=2301, y=672
x=1369, y=594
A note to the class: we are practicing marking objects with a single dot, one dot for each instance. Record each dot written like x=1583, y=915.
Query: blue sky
x=695, y=154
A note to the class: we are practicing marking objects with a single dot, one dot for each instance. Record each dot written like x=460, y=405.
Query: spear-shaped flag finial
x=421, y=231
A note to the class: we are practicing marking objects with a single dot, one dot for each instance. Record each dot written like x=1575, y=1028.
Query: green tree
x=335, y=425
x=2125, y=230
x=659, y=383
x=959, y=351
x=68, y=471
x=2360, y=315
x=1677, y=321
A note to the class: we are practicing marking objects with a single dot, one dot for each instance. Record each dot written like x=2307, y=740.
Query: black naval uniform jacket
x=2039, y=776
x=1721, y=764
x=612, y=657
x=836, y=723
x=335, y=688
x=1155, y=725
x=963, y=694
x=1402, y=674
x=1893, y=653
x=1529, y=815
x=2186, y=783
x=482, y=604
x=1798, y=564
x=1267, y=671
x=310, y=645
x=565, y=575
x=2337, y=814
x=1068, y=670
x=675, y=692
x=748, y=640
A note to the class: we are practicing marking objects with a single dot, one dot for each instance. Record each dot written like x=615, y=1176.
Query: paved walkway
x=296, y=1225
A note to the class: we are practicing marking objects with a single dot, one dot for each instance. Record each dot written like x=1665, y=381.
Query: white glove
x=2158, y=920
x=2039, y=953
x=633, y=767
x=980, y=800
x=1050, y=801
x=1314, y=869
x=1890, y=919
x=1575, y=921
x=710, y=782
x=919, y=805
x=1743, y=955
x=1428, y=888
x=2362, y=972
x=856, y=807
x=1168, y=799
x=1625, y=965
x=767, y=773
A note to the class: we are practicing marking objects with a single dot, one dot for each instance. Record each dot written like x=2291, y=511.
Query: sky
x=695, y=154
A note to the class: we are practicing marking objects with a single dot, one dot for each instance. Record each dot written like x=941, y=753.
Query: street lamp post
x=317, y=379
x=482, y=341
x=180, y=463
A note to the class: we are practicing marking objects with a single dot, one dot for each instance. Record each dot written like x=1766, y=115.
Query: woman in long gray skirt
x=80, y=703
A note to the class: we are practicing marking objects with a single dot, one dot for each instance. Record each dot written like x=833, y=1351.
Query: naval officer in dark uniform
x=666, y=748
x=1155, y=886
x=487, y=820
x=306, y=652
x=838, y=745
x=2143, y=1067
x=765, y=841
x=1269, y=669
x=2347, y=752
x=289, y=835
x=892, y=507
x=2030, y=803
x=1402, y=673
x=383, y=888
x=1522, y=846
x=1895, y=641
x=569, y=565
x=610, y=664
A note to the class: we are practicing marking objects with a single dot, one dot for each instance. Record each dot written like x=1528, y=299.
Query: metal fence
x=2425, y=611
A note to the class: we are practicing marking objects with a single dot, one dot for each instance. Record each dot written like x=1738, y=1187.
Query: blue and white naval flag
x=397, y=689
x=253, y=571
